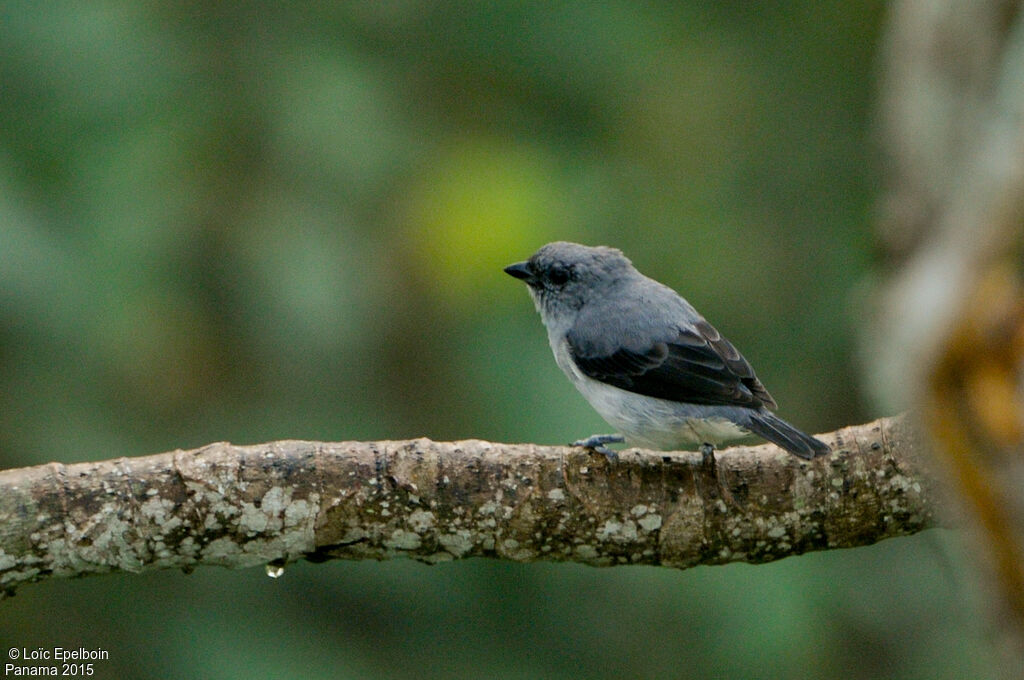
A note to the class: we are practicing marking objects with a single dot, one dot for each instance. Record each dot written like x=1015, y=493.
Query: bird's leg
x=707, y=480
x=596, y=442
x=707, y=455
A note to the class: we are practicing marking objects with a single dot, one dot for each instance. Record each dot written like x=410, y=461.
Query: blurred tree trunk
x=949, y=336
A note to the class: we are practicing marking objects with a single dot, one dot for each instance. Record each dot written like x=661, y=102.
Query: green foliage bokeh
x=251, y=221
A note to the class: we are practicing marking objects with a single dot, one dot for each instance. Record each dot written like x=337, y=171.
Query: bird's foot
x=708, y=481
x=707, y=455
x=596, y=442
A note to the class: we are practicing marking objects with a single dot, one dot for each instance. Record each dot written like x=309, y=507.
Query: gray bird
x=645, y=359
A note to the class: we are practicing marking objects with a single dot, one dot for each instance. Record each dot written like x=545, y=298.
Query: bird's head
x=563, y=277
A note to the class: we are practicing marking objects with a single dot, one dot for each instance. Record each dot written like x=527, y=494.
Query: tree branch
x=239, y=506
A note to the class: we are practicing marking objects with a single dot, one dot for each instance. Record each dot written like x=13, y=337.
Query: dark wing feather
x=696, y=366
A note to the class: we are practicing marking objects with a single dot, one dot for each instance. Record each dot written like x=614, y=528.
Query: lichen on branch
x=240, y=506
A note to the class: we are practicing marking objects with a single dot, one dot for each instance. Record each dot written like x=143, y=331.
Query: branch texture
x=239, y=506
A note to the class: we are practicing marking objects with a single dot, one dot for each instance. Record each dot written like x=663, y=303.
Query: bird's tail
x=776, y=430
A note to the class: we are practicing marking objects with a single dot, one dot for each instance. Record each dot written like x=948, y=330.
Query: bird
x=645, y=359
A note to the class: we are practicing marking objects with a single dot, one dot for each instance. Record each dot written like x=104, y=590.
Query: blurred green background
x=253, y=221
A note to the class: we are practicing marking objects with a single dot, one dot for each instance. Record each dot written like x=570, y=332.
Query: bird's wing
x=693, y=364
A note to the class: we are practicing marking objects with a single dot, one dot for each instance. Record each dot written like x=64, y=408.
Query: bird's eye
x=558, y=275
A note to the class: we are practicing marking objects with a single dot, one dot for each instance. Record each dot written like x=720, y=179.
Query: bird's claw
x=597, y=443
x=707, y=455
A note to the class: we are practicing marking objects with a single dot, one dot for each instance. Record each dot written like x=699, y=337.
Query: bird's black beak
x=520, y=270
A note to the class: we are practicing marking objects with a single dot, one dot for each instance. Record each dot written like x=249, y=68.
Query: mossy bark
x=239, y=506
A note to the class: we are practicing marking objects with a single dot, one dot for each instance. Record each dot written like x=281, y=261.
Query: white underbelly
x=658, y=423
